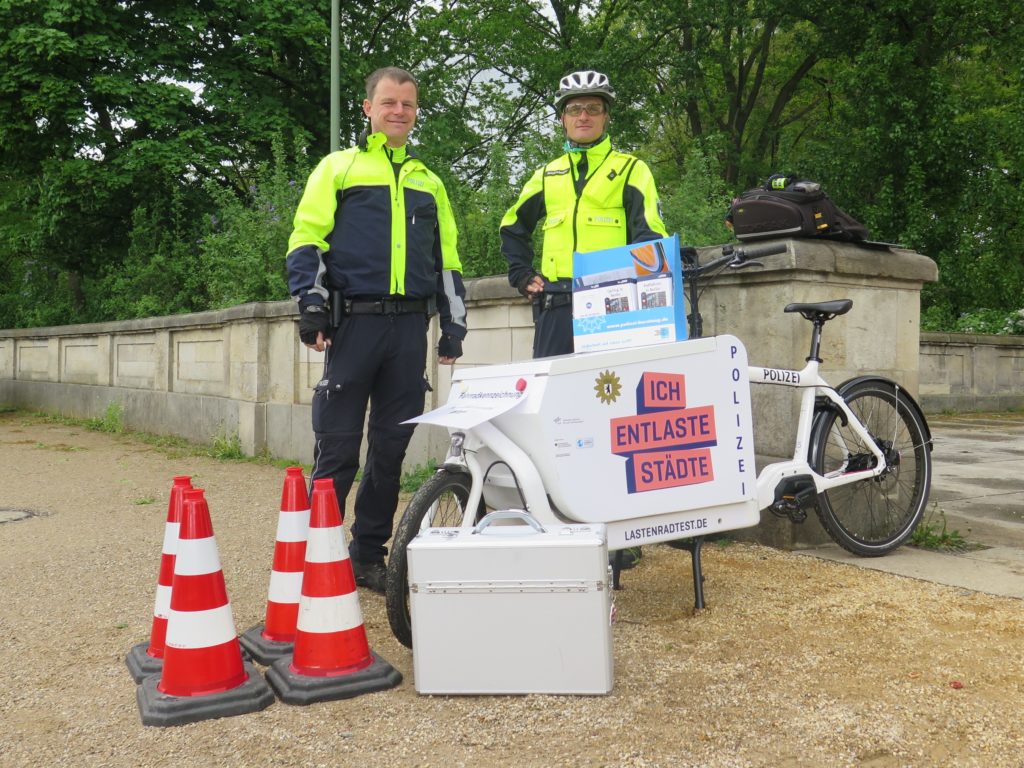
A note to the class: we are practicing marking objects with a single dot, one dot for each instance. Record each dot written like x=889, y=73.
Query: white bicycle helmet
x=586, y=83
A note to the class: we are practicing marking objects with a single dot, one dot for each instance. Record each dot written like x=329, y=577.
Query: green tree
x=924, y=144
x=121, y=119
x=88, y=112
x=149, y=149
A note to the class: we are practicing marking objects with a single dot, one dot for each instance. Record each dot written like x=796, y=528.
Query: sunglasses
x=575, y=110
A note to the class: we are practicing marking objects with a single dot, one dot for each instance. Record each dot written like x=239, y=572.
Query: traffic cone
x=332, y=658
x=275, y=638
x=147, y=658
x=204, y=675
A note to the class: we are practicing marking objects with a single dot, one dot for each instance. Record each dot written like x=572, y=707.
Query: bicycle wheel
x=874, y=516
x=439, y=502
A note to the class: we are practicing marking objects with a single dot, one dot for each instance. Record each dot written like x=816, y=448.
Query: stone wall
x=243, y=372
x=966, y=372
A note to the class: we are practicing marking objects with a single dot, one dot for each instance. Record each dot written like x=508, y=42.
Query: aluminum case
x=508, y=607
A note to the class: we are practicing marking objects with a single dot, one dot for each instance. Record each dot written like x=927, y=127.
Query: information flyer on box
x=628, y=296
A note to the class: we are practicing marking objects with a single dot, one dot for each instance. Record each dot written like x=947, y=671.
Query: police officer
x=592, y=197
x=372, y=256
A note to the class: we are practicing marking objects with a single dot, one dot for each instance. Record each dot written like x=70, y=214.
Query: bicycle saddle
x=823, y=310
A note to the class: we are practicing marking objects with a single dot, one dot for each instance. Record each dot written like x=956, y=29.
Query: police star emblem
x=608, y=387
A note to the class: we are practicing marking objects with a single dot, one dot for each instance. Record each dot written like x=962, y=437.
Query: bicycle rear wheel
x=874, y=516
x=439, y=503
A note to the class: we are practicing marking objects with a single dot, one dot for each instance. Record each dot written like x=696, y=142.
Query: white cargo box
x=511, y=608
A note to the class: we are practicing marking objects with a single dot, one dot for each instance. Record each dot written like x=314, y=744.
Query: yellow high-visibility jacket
x=616, y=204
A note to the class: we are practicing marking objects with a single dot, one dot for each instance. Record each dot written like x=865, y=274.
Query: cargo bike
x=656, y=445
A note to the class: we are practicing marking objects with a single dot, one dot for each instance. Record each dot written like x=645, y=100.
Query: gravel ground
x=795, y=661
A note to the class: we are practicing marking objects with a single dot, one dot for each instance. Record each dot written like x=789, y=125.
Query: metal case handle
x=509, y=514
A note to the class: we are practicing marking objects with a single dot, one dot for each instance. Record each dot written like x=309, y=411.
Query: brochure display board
x=629, y=296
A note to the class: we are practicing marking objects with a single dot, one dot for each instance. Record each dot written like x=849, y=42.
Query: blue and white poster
x=628, y=296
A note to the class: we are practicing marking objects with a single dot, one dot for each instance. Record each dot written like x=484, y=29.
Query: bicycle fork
x=464, y=455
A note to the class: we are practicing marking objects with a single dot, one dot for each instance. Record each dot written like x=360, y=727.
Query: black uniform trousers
x=377, y=359
x=552, y=328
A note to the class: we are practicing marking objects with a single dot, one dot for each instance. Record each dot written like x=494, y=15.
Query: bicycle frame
x=464, y=455
x=810, y=381
x=528, y=459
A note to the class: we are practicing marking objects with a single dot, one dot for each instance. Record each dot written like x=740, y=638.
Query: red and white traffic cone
x=147, y=659
x=332, y=657
x=204, y=675
x=275, y=638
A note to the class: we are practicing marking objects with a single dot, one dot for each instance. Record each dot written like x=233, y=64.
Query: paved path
x=979, y=486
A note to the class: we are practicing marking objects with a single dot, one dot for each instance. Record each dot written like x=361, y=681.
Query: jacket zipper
x=579, y=194
x=397, y=170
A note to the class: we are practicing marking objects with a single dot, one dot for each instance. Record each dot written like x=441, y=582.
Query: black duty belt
x=390, y=305
x=552, y=300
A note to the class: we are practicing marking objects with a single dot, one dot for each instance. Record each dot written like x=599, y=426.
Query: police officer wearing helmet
x=592, y=197
x=372, y=256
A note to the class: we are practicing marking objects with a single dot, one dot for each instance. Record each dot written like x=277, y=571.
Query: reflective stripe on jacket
x=367, y=230
x=618, y=204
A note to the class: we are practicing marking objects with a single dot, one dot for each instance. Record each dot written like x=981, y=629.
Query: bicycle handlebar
x=733, y=257
x=736, y=257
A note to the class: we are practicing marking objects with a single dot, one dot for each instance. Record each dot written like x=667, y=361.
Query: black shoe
x=630, y=557
x=372, y=575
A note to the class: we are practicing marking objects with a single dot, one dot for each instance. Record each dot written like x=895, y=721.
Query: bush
x=245, y=241
x=695, y=200
x=940, y=319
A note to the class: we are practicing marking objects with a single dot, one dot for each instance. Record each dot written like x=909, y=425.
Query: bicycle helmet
x=585, y=83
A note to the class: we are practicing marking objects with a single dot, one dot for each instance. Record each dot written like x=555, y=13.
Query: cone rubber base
x=262, y=650
x=303, y=689
x=160, y=709
x=140, y=664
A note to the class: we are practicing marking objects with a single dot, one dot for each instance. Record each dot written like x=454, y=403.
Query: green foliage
x=112, y=420
x=695, y=200
x=925, y=148
x=933, y=533
x=981, y=321
x=479, y=215
x=414, y=478
x=162, y=272
x=244, y=242
x=121, y=131
x=151, y=154
x=226, y=447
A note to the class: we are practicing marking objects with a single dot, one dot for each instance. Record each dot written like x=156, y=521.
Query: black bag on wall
x=789, y=207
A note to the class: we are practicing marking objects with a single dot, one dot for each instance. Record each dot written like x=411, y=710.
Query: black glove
x=449, y=346
x=525, y=281
x=314, y=320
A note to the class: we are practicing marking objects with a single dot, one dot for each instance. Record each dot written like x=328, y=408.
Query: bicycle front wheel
x=439, y=503
x=874, y=516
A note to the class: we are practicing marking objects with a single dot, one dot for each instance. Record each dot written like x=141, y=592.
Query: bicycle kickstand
x=693, y=547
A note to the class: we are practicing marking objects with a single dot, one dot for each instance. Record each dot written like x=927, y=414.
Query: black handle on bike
x=733, y=257
x=741, y=255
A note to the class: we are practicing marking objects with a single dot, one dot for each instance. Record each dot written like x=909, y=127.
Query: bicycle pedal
x=788, y=509
x=794, y=496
